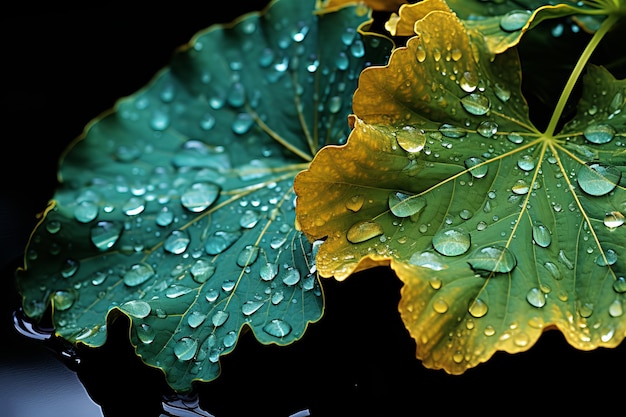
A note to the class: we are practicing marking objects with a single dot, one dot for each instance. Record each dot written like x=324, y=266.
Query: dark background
x=64, y=66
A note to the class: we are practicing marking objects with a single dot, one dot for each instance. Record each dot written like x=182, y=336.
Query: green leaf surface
x=498, y=231
x=176, y=208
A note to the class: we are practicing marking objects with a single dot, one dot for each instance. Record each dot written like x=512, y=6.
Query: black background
x=64, y=66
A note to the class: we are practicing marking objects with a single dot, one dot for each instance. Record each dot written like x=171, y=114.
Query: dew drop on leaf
x=86, y=211
x=251, y=307
x=63, y=300
x=451, y=131
x=105, y=234
x=476, y=104
x=249, y=219
x=136, y=308
x=451, y=242
x=616, y=308
x=526, y=163
x=487, y=128
x=598, y=179
x=277, y=297
x=185, y=349
x=468, y=82
x=268, y=271
x=220, y=241
x=411, y=139
x=492, y=259
x=476, y=171
x=363, y=231
x=195, y=319
x=599, y=133
x=277, y=328
x=165, y=217
x=291, y=276
x=404, y=205
x=514, y=20
x=138, y=274
x=177, y=242
x=248, y=255
x=219, y=318
x=542, y=235
x=355, y=203
x=202, y=270
x=520, y=187
x=478, y=308
x=440, y=305
x=175, y=291
x=134, y=206
x=428, y=260
x=145, y=333
x=199, y=196
x=609, y=257
x=619, y=285
x=536, y=297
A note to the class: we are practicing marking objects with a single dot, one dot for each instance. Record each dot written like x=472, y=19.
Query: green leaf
x=176, y=208
x=498, y=231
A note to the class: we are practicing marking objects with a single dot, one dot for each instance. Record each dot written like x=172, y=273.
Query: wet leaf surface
x=498, y=230
x=176, y=207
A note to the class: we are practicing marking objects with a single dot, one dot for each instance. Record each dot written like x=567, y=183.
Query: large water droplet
x=472, y=164
x=251, y=307
x=599, y=133
x=514, y=20
x=451, y=131
x=291, y=276
x=202, y=270
x=428, y=260
x=195, y=319
x=364, y=230
x=165, y=217
x=138, y=274
x=404, y=205
x=451, y=242
x=199, y=196
x=277, y=328
x=536, y=297
x=613, y=219
x=542, y=235
x=268, y=271
x=609, y=257
x=136, y=308
x=476, y=104
x=597, y=179
x=105, y=234
x=63, y=300
x=487, y=128
x=177, y=242
x=185, y=349
x=526, y=163
x=492, y=259
x=145, y=333
x=355, y=203
x=411, y=139
x=219, y=318
x=248, y=255
x=468, y=81
x=86, y=211
x=220, y=241
x=478, y=308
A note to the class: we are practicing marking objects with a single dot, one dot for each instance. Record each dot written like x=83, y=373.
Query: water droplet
x=515, y=20
x=619, y=285
x=242, y=123
x=277, y=328
x=502, y=93
x=526, y=163
x=616, y=309
x=411, y=139
x=363, y=231
x=515, y=138
x=251, y=307
x=202, y=270
x=597, y=179
x=599, y=133
x=428, y=260
x=236, y=95
x=451, y=242
x=440, y=306
x=291, y=276
x=478, y=308
x=468, y=82
x=199, y=196
x=160, y=121
x=105, y=234
x=138, y=274
x=86, y=211
x=219, y=318
x=487, y=128
x=542, y=235
x=165, y=217
x=195, y=319
x=249, y=219
x=175, y=291
x=212, y=295
x=565, y=260
x=451, y=131
x=277, y=297
x=613, y=219
x=473, y=164
x=220, y=241
x=145, y=333
x=609, y=257
x=355, y=203
x=404, y=205
x=63, y=300
x=420, y=53
x=177, y=242
x=185, y=349
x=248, y=255
x=492, y=259
x=268, y=271
x=520, y=187
x=134, y=206
x=536, y=297
x=476, y=104
x=136, y=308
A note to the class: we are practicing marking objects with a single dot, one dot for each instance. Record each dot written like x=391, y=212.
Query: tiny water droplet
x=363, y=231
x=451, y=242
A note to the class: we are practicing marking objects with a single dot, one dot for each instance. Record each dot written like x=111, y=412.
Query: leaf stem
x=606, y=25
